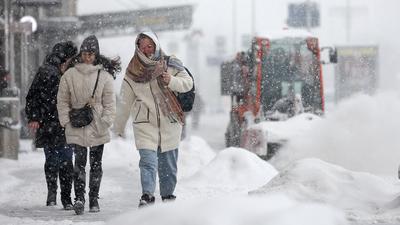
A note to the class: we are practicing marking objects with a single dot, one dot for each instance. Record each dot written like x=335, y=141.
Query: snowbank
x=265, y=210
x=194, y=153
x=361, y=134
x=233, y=171
x=312, y=180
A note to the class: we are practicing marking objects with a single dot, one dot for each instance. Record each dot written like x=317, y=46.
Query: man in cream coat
x=147, y=93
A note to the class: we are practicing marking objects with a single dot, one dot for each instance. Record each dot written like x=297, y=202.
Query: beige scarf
x=143, y=70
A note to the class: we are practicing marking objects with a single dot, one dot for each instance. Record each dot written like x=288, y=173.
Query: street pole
x=12, y=49
x=6, y=35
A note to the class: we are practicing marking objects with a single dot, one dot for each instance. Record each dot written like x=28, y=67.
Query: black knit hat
x=90, y=44
x=64, y=50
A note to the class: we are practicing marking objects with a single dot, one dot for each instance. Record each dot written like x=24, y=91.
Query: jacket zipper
x=158, y=116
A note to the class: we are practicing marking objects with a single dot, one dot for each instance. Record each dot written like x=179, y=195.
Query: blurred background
x=203, y=34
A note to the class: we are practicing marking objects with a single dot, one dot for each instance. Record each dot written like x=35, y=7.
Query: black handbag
x=83, y=116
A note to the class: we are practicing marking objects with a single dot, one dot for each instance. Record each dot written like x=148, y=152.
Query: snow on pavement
x=240, y=210
x=329, y=175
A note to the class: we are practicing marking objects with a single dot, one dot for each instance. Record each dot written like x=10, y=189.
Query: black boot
x=94, y=205
x=96, y=174
x=79, y=207
x=51, y=198
x=80, y=178
x=66, y=176
x=168, y=198
x=67, y=204
x=51, y=172
x=146, y=199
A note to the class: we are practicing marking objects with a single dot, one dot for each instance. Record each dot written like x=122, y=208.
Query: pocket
x=141, y=112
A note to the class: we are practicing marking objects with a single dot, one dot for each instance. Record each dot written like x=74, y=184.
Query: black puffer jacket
x=41, y=104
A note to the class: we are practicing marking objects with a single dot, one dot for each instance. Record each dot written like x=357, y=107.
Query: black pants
x=59, y=164
x=96, y=171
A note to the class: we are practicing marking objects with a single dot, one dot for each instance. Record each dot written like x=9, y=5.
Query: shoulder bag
x=83, y=116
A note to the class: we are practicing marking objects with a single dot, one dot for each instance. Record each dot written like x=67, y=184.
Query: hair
x=141, y=37
x=112, y=66
x=64, y=50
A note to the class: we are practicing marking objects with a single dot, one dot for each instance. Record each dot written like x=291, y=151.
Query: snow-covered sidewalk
x=342, y=171
x=213, y=189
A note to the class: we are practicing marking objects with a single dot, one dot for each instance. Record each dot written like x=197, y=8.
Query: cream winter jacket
x=75, y=90
x=151, y=128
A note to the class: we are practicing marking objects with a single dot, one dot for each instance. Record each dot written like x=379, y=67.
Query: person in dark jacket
x=42, y=116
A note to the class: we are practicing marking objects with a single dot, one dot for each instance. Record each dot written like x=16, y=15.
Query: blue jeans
x=165, y=163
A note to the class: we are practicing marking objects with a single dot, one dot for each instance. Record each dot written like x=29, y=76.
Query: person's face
x=147, y=46
x=64, y=66
x=88, y=57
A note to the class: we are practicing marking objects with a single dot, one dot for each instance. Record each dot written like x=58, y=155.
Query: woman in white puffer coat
x=147, y=95
x=75, y=90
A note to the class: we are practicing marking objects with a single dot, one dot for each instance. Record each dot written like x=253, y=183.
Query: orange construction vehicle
x=278, y=77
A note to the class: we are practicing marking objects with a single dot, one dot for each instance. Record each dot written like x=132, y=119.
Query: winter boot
x=67, y=204
x=66, y=177
x=146, y=199
x=79, y=207
x=51, y=198
x=168, y=198
x=94, y=205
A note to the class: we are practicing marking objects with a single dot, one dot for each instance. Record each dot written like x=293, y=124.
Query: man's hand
x=33, y=125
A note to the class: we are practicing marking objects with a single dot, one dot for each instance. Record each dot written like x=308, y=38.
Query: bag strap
x=97, y=80
x=167, y=58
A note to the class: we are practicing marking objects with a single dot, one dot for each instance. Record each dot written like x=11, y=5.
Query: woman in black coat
x=41, y=112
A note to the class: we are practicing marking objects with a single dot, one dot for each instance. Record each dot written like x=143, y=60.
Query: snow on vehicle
x=279, y=77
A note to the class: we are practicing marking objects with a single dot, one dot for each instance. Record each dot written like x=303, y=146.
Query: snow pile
x=312, y=180
x=264, y=210
x=120, y=152
x=232, y=170
x=361, y=134
x=194, y=153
